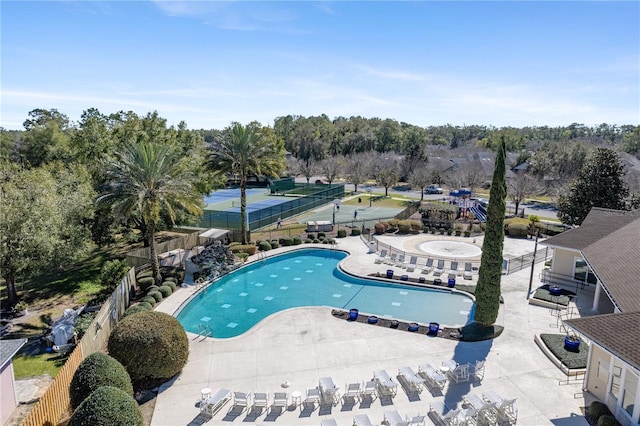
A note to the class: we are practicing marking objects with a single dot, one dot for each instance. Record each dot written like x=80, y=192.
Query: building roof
x=8, y=348
x=617, y=333
x=609, y=241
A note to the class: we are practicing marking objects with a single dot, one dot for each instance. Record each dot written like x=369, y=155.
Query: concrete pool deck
x=301, y=345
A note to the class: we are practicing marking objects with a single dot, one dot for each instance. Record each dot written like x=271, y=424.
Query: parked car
x=433, y=189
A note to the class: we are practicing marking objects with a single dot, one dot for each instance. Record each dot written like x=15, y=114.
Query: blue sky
x=426, y=63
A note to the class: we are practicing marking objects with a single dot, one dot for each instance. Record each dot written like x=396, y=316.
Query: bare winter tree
x=469, y=176
x=386, y=173
x=521, y=187
x=331, y=168
x=308, y=168
x=356, y=170
x=419, y=178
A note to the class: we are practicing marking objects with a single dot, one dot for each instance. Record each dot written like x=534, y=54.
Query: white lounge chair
x=507, y=411
x=313, y=396
x=459, y=374
x=468, y=416
x=328, y=390
x=400, y=261
x=391, y=260
x=382, y=256
x=260, y=401
x=412, y=380
x=468, y=271
x=385, y=383
x=432, y=376
x=370, y=389
x=453, y=269
x=241, y=399
x=412, y=264
x=394, y=418
x=418, y=420
x=352, y=390
x=428, y=267
x=477, y=369
x=439, y=269
x=442, y=413
x=280, y=401
x=361, y=420
x=328, y=422
x=215, y=402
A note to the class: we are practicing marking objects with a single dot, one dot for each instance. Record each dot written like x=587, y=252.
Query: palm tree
x=147, y=179
x=243, y=151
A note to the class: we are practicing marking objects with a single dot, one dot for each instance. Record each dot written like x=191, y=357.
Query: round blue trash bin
x=389, y=273
x=451, y=282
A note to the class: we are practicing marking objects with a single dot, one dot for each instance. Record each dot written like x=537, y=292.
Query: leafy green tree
x=599, y=184
x=488, y=287
x=147, y=179
x=46, y=138
x=244, y=151
x=43, y=216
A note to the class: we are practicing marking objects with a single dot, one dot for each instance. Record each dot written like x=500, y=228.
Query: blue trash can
x=389, y=273
x=353, y=314
x=451, y=282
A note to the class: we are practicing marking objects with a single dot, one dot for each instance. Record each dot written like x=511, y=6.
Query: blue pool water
x=310, y=277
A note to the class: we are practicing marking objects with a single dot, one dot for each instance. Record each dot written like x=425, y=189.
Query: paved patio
x=299, y=346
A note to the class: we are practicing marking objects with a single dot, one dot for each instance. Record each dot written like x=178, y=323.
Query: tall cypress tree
x=488, y=288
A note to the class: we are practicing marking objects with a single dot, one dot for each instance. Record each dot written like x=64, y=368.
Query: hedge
x=107, y=406
x=342, y=233
x=150, y=300
x=156, y=295
x=250, y=249
x=146, y=282
x=98, y=369
x=165, y=290
x=264, y=246
x=140, y=307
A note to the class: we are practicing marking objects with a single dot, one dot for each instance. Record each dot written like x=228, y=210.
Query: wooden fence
x=142, y=255
x=55, y=402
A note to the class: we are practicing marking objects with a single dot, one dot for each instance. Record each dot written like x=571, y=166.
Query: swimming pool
x=310, y=277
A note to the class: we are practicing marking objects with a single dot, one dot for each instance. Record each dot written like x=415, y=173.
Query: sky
x=427, y=63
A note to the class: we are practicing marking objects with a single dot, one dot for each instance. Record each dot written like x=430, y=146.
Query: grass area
x=33, y=360
x=379, y=200
x=555, y=344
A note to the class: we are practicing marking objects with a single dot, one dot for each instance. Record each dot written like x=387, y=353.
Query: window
x=629, y=392
x=616, y=379
x=581, y=271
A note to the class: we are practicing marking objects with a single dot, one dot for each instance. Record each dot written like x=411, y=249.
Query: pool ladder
x=204, y=330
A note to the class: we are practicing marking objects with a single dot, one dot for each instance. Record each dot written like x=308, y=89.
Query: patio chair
x=493, y=396
x=391, y=260
x=468, y=416
x=352, y=390
x=280, y=401
x=453, y=269
x=459, y=374
x=394, y=418
x=428, y=267
x=370, y=389
x=485, y=411
x=442, y=413
x=418, y=420
x=215, y=402
x=412, y=380
x=260, y=401
x=468, y=271
x=412, y=264
x=385, y=383
x=361, y=420
x=439, y=269
x=313, y=396
x=241, y=400
x=400, y=261
x=382, y=256
x=507, y=411
x=328, y=422
x=477, y=369
x=432, y=376
x=328, y=390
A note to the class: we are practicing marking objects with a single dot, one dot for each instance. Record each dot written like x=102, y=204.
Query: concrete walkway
x=299, y=346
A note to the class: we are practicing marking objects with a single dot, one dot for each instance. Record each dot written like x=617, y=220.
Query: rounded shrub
x=608, y=420
x=152, y=288
x=321, y=235
x=150, y=300
x=249, y=249
x=355, y=232
x=165, y=290
x=274, y=244
x=404, y=226
x=287, y=242
x=156, y=295
x=134, y=309
x=518, y=230
x=296, y=241
x=325, y=241
x=170, y=278
x=379, y=228
x=150, y=345
x=98, y=369
x=264, y=246
x=146, y=282
x=107, y=406
x=147, y=305
x=598, y=409
x=316, y=241
x=145, y=273
x=342, y=233
x=170, y=284
x=308, y=241
x=311, y=236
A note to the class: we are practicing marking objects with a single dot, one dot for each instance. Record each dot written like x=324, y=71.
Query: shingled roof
x=618, y=333
x=609, y=240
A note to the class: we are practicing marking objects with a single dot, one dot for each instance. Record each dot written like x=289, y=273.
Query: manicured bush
x=321, y=235
x=433, y=230
x=170, y=278
x=144, y=274
x=156, y=295
x=150, y=300
x=150, y=345
x=441, y=231
x=393, y=224
x=608, y=420
x=342, y=233
x=112, y=273
x=296, y=241
x=98, y=369
x=152, y=288
x=415, y=225
x=274, y=244
x=311, y=236
x=264, y=246
x=308, y=241
x=165, y=290
x=107, y=406
x=249, y=249
x=134, y=309
x=598, y=409
x=287, y=242
x=146, y=282
x=234, y=243
x=404, y=226
x=458, y=232
x=325, y=241
x=316, y=241
x=147, y=305
x=517, y=230
x=171, y=285
x=379, y=228
x=449, y=231
x=355, y=232
x=82, y=324
x=467, y=233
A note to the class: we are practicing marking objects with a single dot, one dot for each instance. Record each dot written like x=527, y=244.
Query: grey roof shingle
x=618, y=333
x=8, y=349
x=609, y=240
